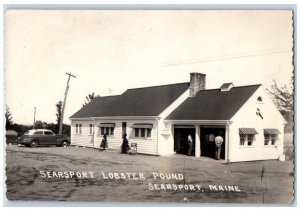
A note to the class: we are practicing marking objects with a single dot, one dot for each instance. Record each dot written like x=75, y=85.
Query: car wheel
x=33, y=143
x=65, y=144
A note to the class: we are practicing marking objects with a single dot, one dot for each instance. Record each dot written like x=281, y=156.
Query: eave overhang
x=117, y=118
x=200, y=122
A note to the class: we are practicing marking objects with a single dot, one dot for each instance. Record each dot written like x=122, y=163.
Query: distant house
x=160, y=118
x=11, y=137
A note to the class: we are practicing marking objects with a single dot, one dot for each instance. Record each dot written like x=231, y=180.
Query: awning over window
x=142, y=125
x=248, y=131
x=107, y=125
x=271, y=131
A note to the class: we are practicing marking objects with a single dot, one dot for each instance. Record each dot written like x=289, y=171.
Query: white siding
x=246, y=118
x=83, y=139
x=144, y=145
x=165, y=141
x=114, y=141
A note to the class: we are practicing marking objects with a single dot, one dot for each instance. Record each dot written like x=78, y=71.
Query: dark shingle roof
x=149, y=101
x=213, y=104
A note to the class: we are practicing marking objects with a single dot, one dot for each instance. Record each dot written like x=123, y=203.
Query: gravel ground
x=37, y=174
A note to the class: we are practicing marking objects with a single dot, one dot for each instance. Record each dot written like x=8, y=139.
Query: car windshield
x=27, y=132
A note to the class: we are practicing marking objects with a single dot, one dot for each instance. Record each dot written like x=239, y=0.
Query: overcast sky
x=118, y=50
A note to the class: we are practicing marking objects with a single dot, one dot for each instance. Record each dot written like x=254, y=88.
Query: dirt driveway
x=85, y=174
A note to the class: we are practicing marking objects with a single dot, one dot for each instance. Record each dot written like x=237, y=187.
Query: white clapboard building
x=160, y=118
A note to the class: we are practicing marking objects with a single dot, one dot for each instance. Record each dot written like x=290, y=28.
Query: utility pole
x=110, y=91
x=64, y=104
x=34, y=117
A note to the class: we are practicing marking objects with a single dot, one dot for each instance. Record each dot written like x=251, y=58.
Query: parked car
x=43, y=137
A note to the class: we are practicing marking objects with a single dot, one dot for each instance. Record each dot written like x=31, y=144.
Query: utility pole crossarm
x=70, y=74
x=64, y=104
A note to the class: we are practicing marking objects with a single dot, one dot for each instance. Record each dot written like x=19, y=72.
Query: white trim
x=117, y=118
x=227, y=143
x=94, y=135
x=269, y=146
x=216, y=122
x=157, y=135
x=173, y=105
x=246, y=147
x=82, y=119
x=185, y=126
x=197, y=141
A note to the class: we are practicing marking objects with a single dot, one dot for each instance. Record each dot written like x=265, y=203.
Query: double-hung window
x=242, y=139
x=78, y=128
x=91, y=129
x=247, y=136
x=271, y=136
x=142, y=130
x=107, y=129
x=250, y=138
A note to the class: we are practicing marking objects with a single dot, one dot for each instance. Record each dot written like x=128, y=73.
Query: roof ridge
x=247, y=85
x=232, y=87
x=106, y=96
x=159, y=85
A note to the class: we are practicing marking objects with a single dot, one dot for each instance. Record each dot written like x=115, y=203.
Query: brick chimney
x=197, y=83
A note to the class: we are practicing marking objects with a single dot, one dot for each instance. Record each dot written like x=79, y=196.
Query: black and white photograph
x=151, y=106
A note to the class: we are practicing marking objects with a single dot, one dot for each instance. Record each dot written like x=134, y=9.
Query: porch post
x=197, y=141
x=94, y=134
x=227, y=143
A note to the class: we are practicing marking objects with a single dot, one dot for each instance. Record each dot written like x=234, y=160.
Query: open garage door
x=181, y=134
x=207, y=137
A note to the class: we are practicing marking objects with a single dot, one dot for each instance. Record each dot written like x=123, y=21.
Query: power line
x=210, y=59
x=225, y=57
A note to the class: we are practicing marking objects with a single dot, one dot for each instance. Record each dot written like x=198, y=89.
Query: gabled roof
x=149, y=101
x=213, y=104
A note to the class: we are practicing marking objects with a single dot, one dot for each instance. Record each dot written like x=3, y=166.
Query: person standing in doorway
x=218, y=142
x=190, y=145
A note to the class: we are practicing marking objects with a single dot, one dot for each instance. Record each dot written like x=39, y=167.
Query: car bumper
x=23, y=141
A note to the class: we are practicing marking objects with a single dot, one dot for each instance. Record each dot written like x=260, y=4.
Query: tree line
x=283, y=98
x=21, y=129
